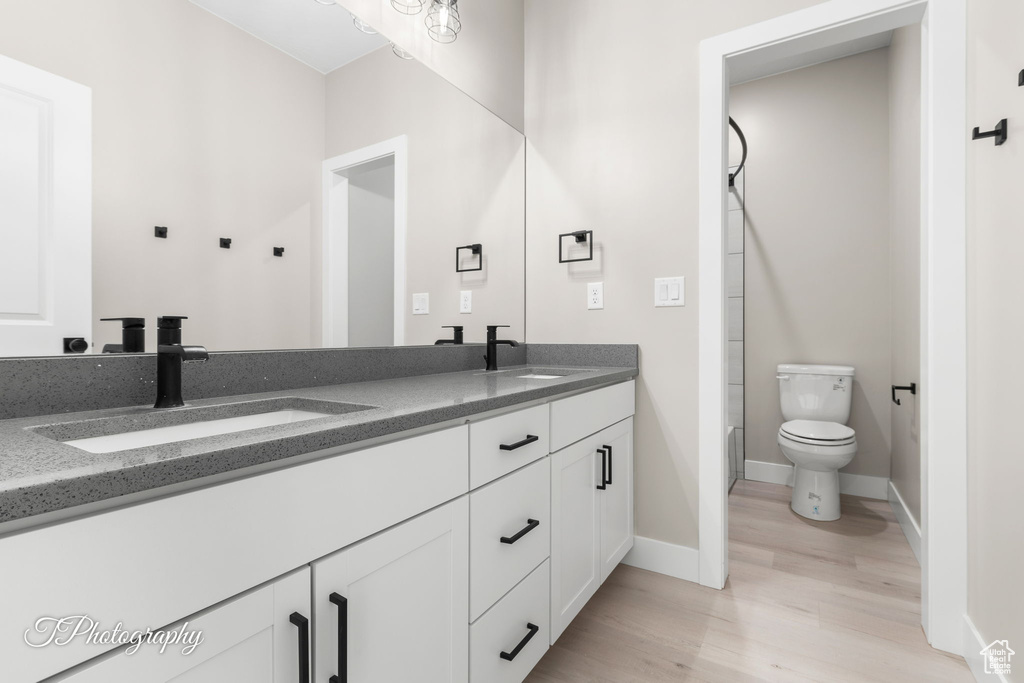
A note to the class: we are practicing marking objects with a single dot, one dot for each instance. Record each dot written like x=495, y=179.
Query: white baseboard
x=974, y=643
x=679, y=561
x=852, y=484
x=907, y=522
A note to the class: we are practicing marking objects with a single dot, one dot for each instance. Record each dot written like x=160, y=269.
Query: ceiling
x=744, y=70
x=320, y=36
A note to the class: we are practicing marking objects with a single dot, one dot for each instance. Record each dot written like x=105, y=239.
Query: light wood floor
x=805, y=601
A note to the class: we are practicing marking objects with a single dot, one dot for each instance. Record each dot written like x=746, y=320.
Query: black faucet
x=457, y=335
x=492, y=345
x=170, y=355
x=133, y=336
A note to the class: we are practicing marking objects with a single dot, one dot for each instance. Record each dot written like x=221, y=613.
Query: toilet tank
x=816, y=392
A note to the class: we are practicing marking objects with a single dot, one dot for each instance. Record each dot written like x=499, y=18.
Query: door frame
x=335, y=236
x=943, y=371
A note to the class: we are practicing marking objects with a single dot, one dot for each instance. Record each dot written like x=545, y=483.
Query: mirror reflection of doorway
x=364, y=247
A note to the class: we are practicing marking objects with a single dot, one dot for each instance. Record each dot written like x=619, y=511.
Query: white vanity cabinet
x=591, y=497
x=262, y=636
x=393, y=607
x=454, y=556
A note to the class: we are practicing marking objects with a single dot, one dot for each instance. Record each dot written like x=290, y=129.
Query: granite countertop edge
x=105, y=477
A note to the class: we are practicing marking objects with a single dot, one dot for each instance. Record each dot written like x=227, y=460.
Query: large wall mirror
x=344, y=176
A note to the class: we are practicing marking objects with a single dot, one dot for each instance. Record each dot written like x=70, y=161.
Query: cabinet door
x=617, y=497
x=575, y=510
x=252, y=638
x=400, y=601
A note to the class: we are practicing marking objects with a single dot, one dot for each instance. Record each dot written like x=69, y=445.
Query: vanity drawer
x=506, y=627
x=505, y=443
x=517, y=509
x=578, y=417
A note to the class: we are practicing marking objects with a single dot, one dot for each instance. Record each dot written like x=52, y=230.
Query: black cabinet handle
x=303, y=624
x=604, y=469
x=531, y=524
x=519, y=444
x=509, y=656
x=609, y=480
x=342, y=603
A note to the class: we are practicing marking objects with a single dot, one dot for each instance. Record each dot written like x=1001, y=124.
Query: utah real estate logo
x=997, y=657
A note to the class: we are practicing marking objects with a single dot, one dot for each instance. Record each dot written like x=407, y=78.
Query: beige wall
x=817, y=243
x=466, y=170
x=486, y=61
x=192, y=121
x=995, y=326
x=612, y=128
x=905, y=258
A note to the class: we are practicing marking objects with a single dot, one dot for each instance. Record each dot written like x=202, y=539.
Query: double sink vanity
x=438, y=527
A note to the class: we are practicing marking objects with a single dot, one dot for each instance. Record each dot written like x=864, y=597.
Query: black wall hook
x=160, y=231
x=999, y=133
x=225, y=243
x=278, y=251
x=912, y=389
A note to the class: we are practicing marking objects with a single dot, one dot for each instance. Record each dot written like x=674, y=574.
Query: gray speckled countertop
x=41, y=474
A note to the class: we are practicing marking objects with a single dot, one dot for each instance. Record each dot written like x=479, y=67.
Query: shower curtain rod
x=743, y=160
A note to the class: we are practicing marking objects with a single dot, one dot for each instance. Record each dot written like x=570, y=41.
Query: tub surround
x=39, y=474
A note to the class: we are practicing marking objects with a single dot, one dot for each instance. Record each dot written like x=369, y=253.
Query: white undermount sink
x=193, y=430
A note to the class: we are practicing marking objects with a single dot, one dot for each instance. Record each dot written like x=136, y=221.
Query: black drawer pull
x=509, y=656
x=531, y=524
x=303, y=624
x=609, y=480
x=604, y=469
x=519, y=444
x=342, y=603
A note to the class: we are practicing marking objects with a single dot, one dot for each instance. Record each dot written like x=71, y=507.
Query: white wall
x=192, y=121
x=816, y=259
x=466, y=170
x=905, y=258
x=485, y=62
x=995, y=327
x=612, y=128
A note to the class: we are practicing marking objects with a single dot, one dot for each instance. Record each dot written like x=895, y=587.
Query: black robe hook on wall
x=999, y=133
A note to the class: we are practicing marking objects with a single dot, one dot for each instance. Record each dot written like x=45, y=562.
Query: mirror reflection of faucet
x=133, y=336
x=170, y=355
x=457, y=336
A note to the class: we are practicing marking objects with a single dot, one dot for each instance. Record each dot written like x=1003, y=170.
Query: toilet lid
x=827, y=433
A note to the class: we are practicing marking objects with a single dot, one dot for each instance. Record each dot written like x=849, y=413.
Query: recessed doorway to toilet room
x=822, y=275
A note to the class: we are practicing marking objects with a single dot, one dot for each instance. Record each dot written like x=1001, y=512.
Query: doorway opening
x=781, y=45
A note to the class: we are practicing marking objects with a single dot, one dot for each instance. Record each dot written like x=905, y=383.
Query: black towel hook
x=999, y=133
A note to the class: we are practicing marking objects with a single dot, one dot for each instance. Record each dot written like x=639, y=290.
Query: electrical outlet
x=595, y=296
x=669, y=291
x=420, y=304
x=466, y=301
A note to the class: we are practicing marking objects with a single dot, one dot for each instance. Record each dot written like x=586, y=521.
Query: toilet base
x=816, y=494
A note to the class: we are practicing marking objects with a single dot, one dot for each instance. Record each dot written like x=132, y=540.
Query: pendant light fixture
x=408, y=6
x=399, y=52
x=363, y=26
x=443, y=22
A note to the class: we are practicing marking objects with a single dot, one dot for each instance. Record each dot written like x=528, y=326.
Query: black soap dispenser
x=133, y=336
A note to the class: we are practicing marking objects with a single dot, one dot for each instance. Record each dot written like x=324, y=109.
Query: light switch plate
x=466, y=301
x=595, y=296
x=669, y=291
x=420, y=304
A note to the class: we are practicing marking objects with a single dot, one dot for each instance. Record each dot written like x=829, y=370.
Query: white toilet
x=816, y=405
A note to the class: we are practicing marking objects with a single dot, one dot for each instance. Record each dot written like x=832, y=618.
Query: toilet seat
x=815, y=433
